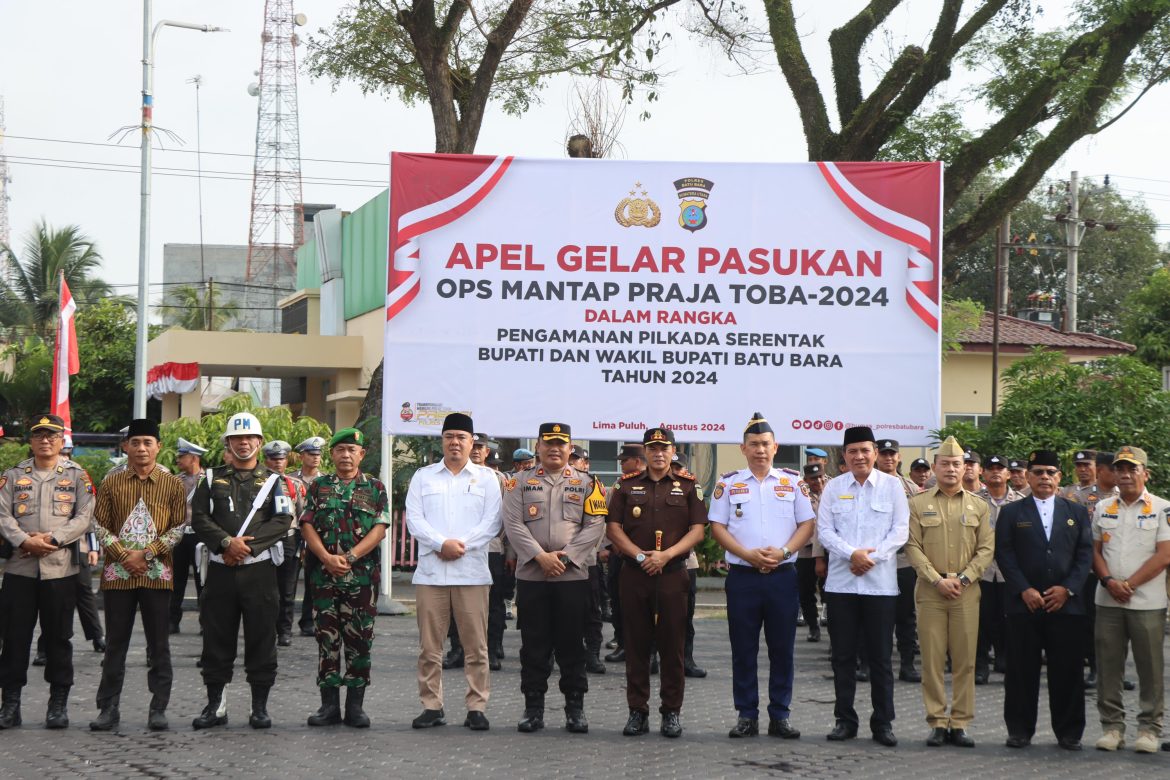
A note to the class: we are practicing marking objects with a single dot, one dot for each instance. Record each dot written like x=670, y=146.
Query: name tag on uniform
x=1148, y=523
x=846, y=498
x=1023, y=524
x=930, y=514
x=739, y=491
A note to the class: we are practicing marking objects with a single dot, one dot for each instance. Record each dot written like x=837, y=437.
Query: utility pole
x=1073, y=233
x=1002, y=253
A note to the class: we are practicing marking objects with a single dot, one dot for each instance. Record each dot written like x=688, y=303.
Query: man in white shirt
x=453, y=512
x=862, y=521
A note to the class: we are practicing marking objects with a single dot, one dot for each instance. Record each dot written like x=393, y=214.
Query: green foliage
x=411, y=453
x=192, y=307
x=959, y=317
x=25, y=391
x=1145, y=319
x=11, y=454
x=101, y=394
x=1050, y=403
x=96, y=465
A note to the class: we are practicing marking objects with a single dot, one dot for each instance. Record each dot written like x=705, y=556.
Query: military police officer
x=554, y=515
x=46, y=506
x=242, y=515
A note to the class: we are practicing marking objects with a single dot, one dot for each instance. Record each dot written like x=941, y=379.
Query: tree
x=101, y=393
x=198, y=308
x=25, y=391
x=1050, y=403
x=31, y=283
x=1048, y=90
x=1145, y=320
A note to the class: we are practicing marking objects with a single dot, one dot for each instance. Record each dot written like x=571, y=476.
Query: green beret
x=348, y=436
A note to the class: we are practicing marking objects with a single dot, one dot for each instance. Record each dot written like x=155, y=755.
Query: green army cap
x=348, y=436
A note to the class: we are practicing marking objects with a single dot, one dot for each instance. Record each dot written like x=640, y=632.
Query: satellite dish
x=300, y=20
x=254, y=89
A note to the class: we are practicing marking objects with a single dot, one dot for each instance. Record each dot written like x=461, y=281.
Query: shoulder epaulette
x=793, y=472
x=632, y=474
x=684, y=474
x=729, y=474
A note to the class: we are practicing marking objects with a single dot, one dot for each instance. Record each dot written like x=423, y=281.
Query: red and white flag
x=65, y=359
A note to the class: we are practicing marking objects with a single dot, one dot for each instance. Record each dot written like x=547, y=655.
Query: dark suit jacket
x=1028, y=560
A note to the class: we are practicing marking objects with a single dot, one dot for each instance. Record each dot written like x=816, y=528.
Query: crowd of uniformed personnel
x=974, y=564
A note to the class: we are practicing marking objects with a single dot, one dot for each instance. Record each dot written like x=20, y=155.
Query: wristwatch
x=350, y=557
x=787, y=553
x=148, y=554
x=640, y=557
x=225, y=543
x=964, y=580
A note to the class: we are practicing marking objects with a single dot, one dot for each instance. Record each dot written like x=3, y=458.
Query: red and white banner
x=171, y=378
x=65, y=359
x=618, y=295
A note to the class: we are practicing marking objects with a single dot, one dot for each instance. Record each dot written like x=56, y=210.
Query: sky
x=70, y=70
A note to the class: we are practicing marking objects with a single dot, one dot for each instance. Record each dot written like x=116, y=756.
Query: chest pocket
x=784, y=501
x=971, y=521
x=676, y=499
x=63, y=504
x=881, y=507
x=363, y=502
x=933, y=520
x=1109, y=522
x=574, y=509
x=1147, y=523
x=535, y=506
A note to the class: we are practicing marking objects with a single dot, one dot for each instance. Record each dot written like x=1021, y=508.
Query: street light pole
x=149, y=35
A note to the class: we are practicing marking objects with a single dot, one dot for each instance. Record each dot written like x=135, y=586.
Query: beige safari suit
x=540, y=517
x=949, y=536
x=59, y=501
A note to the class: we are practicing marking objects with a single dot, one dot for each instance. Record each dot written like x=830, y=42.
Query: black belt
x=754, y=570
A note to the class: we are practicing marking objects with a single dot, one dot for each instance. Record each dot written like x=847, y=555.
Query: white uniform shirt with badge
x=441, y=506
x=852, y=516
x=1128, y=534
x=768, y=510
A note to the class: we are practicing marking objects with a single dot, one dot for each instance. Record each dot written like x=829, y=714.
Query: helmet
x=243, y=424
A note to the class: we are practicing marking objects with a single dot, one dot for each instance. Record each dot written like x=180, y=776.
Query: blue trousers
x=770, y=601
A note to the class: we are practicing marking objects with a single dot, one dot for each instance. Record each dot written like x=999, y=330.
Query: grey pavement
x=392, y=749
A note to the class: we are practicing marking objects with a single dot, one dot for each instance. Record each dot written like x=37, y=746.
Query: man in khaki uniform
x=1085, y=491
x=46, y=506
x=951, y=543
x=554, y=516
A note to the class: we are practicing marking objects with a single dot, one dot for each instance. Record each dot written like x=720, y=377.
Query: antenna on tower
x=277, y=225
x=5, y=235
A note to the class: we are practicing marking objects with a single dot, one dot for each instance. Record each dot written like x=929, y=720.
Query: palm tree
x=198, y=308
x=30, y=284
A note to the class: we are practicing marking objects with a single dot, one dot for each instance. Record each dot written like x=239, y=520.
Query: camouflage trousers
x=344, y=617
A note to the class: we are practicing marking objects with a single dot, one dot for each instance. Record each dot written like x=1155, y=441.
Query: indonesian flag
x=65, y=359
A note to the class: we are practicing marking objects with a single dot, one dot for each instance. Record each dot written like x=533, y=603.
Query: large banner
x=619, y=295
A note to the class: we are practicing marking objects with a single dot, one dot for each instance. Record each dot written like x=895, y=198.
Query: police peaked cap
x=312, y=444
x=276, y=448
x=658, y=436
x=188, y=448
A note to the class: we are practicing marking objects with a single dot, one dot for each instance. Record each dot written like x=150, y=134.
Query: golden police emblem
x=637, y=211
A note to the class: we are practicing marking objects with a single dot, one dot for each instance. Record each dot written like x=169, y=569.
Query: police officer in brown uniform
x=655, y=519
x=553, y=515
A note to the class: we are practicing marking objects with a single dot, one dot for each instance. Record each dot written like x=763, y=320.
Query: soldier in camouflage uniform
x=345, y=519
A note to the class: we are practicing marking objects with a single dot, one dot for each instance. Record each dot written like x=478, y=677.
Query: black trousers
x=184, y=559
x=87, y=612
x=1062, y=639
x=1088, y=597
x=689, y=647
x=27, y=600
x=230, y=594
x=286, y=578
x=808, y=584
x=496, y=596
x=552, y=621
x=857, y=621
x=615, y=597
x=906, y=616
x=310, y=562
x=121, y=605
x=992, y=625
x=593, y=616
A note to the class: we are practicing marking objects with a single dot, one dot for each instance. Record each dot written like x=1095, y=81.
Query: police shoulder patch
x=509, y=485
x=3, y=481
x=719, y=488
x=803, y=488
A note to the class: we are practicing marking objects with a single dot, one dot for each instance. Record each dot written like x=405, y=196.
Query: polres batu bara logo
x=406, y=413
x=637, y=211
x=693, y=193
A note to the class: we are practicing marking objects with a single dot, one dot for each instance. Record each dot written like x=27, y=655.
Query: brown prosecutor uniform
x=949, y=536
x=643, y=505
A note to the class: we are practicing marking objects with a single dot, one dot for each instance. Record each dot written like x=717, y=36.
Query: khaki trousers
x=1116, y=630
x=948, y=625
x=434, y=604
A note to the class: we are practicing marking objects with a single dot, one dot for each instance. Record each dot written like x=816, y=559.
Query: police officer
x=951, y=543
x=905, y=621
x=808, y=581
x=276, y=459
x=579, y=459
x=309, y=452
x=190, y=463
x=997, y=491
x=344, y=522
x=46, y=506
x=1084, y=492
x=760, y=516
x=554, y=515
x=655, y=520
x=1018, y=477
x=242, y=515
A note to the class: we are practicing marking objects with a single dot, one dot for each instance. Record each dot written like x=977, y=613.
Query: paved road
x=392, y=749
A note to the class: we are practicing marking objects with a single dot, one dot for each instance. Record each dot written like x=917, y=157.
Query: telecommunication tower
x=277, y=225
x=5, y=236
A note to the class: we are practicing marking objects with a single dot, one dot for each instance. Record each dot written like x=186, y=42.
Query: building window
x=978, y=420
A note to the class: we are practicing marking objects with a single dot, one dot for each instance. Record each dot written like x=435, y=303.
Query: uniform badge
x=23, y=482
x=20, y=510
x=64, y=496
x=66, y=482
x=22, y=496
x=1071, y=522
x=574, y=497
x=676, y=484
x=540, y=472
x=533, y=510
x=574, y=482
x=636, y=511
x=509, y=485
x=718, y=494
x=693, y=193
x=637, y=212
x=804, y=490
x=739, y=484
x=568, y=472
x=1105, y=537
x=533, y=481
x=846, y=497
x=785, y=481
x=3, y=481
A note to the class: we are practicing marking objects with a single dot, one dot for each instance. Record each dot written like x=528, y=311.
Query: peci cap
x=1044, y=458
x=1128, y=454
x=857, y=434
x=142, y=427
x=887, y=445
x=455, y=421
x=555, y=432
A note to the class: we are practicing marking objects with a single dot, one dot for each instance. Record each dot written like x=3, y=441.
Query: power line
x=189, y=174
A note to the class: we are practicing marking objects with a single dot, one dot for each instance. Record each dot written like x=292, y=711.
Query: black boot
x=57, y=715
x=10, y=709
x=108, y=718
x=691, y=669
x=593, y=664
x=215, y=713
x=575, y=721
x=454, y=658
x=533, y=719
x=259, y=718
x=354, y=714
x=330, y=712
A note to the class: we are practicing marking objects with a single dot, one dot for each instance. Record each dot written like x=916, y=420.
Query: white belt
x=264, y=556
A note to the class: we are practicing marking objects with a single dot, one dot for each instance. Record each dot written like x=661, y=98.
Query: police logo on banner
x=637, y=212
x=693, y=193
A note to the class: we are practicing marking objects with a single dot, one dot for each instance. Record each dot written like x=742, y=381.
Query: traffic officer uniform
x=992, y=591
x=312, y=446
x=655, y=515
x=247, y=590
x=286, y=573
x=183, y=555
x=57, y=501
x=950, y=537
x=564, y=512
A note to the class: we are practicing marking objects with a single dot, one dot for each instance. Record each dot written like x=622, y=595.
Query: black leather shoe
x=907, y=674
x=862, y=675
x=157, y=720
x=611, y=645
x=616, y=655
x=40, y=659
x=885, y=737
x=654, y=664
x=814, y=634
x=453, y=659
x=476, y=721
x=1069, y=743
x=99, y=645
x=841, y=732
x=210, y=716
x=307, y=631
x=174, y=628
x=284, y=640
x=981, y=677
x=937, y=737
x=593, y=664
x=671, y=727
x=429, y=718
x=1090, y=680
x=107, y=719
x=10, y=709
x=744, y=727
x=575, y=720
x=1018, y=742
x=495, y=664
x=637, y=724
x=960, y=738
x=780, y=727
x=1128, y=684
x=1166, y=746
x=533, y=720
x=691, y=669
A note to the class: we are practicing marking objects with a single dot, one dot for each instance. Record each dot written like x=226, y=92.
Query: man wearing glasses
x=1044, y=547
x=46, y=506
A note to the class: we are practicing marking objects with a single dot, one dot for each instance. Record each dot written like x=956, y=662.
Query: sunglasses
x=1045, y=472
